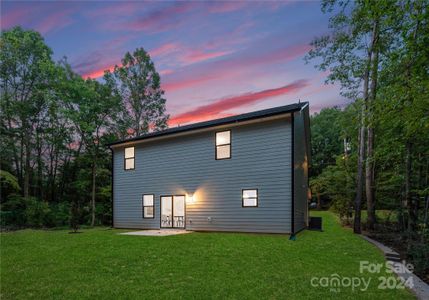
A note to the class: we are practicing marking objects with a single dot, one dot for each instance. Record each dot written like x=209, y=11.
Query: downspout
x=111, y=190
x=292, y=217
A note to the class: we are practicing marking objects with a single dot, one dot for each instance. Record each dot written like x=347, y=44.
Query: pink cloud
x=55, y=21
x=227, y=6
x=14, y=17
x=94, y=67
x=221, y=106
x=198, y=56
x=166, y=72
x=98, y=73
x=116, y=9
x=231, y=66
x=160, y=19
x=187, y=82
x=118, y=42
x=164, y=49
x=27, y=17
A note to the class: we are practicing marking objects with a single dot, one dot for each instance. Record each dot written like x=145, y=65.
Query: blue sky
x=215, y=58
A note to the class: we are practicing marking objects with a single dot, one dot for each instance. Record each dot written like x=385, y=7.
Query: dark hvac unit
x=316, y=223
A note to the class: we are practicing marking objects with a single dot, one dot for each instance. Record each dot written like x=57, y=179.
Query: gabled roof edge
x=217, y=122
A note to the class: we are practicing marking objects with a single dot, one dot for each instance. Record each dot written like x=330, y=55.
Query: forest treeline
x=55, y=167
x=373, y=155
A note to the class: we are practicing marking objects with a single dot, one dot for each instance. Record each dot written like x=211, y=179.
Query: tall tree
x=25, y=68
x=92, y=107
x=53, y=126
x=138, y=83
x=405, y=110
x=353, y=62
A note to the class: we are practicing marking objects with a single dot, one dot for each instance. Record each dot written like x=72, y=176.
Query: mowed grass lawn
x=100, y=264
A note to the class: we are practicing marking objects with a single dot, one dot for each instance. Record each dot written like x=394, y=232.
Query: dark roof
x=234, y=119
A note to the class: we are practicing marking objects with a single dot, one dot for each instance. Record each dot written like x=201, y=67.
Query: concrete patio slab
x=161, y=232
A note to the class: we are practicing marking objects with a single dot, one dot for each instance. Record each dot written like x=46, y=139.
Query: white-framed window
x=148, y=206
x=129, y=158
x=249, y=198
x=223, y=144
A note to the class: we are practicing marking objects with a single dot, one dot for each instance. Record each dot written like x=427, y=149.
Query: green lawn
x=100, y=264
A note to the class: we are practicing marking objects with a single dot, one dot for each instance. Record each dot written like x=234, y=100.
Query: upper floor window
x=223, y=144
x=129, y=158
x=250, y=198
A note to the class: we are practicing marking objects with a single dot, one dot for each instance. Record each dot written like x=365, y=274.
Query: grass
x=99, y=263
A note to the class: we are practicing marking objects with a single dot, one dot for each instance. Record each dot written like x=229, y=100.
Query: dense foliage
x=55, y=167
x=378, y=52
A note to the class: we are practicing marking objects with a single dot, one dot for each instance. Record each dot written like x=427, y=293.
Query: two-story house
x=246, y=173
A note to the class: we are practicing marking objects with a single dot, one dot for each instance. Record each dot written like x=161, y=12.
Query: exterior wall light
x=190, y=199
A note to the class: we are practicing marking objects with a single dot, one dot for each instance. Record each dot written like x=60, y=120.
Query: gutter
x=218, y=122
x=305, y=105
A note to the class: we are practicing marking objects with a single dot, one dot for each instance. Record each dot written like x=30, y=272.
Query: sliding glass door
x=173, y=211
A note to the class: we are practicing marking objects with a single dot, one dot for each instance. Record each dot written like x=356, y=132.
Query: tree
x=326, y=139
x=92, y=107
x=139, y=86
x=25, y=70
x=353, y=62
x=54, y=126
x=404, y=111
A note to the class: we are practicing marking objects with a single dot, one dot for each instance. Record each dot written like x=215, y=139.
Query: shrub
x=13, y=211
x=37, y=213
x=60, y=215
x=419, y=256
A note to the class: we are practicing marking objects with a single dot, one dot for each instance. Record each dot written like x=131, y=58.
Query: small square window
x=223, y=144
x=129, y=158
x=148, y=206
x=250, y=198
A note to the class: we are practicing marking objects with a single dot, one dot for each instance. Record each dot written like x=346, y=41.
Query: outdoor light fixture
x=190, y=199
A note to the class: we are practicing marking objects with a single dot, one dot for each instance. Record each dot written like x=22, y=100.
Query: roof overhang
x=248, y=118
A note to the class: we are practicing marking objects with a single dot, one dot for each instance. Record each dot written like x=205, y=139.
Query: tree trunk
x=426, y=210
x=361, y=151
x=27, y=168
x=359, y=179
x=14, y=150
x=93, y=194
x=369, y=163
x=39, y=166
x=21, y=161
x=319, y=201
x=408, y=203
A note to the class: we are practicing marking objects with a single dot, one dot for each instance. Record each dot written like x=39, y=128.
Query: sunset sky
x=215, y=58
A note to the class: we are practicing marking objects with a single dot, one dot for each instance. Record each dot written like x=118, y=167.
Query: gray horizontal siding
x=186, y=165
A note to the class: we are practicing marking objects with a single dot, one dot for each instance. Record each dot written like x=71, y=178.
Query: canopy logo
x=387, y=280
x=335, y=282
